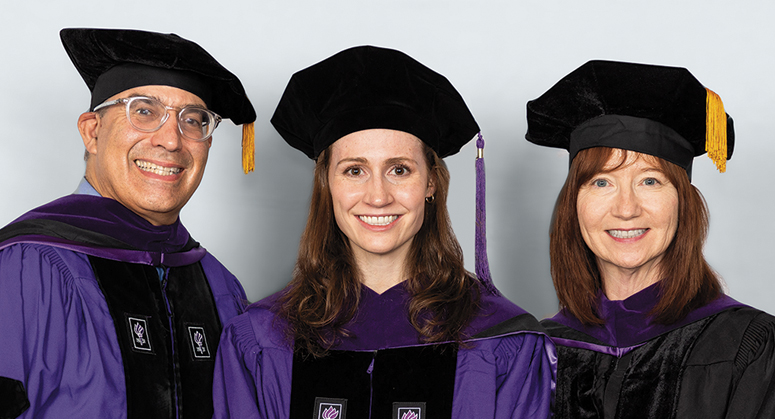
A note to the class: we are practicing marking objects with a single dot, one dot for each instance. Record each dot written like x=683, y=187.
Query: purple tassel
x=482, y=264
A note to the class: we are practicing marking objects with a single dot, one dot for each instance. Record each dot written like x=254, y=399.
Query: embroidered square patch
x=326, y=408
x=409, y=410
x=139, y=334
x=198, y=339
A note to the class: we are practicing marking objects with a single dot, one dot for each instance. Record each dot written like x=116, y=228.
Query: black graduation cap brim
x=126, y=58
x=369, y=87
x=631, y=106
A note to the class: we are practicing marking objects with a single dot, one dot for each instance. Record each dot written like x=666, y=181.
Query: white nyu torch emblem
x=198, y=342
x=139, y=333
x=409, y=410
x=331, y=412
x=326, y=408
x=138, y=329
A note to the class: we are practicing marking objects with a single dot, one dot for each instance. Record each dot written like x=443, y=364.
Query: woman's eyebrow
x=395, y=160
x=360, y=160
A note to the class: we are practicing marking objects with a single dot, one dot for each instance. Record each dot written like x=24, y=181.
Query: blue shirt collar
x=85, y=188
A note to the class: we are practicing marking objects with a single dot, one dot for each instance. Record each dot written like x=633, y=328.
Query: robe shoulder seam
x=756, y=335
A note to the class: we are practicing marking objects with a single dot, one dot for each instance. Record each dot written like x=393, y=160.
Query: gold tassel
x=716, y=130
x=248, y=147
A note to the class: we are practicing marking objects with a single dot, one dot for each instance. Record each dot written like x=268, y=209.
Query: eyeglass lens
x=149, y=115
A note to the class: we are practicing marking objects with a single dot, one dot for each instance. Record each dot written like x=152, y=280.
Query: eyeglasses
x=148, y=115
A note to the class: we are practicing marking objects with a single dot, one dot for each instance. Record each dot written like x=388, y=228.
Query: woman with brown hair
x=381, y=319
x=644, y=330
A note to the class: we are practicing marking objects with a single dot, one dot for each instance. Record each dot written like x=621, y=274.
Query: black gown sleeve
x=754, y=394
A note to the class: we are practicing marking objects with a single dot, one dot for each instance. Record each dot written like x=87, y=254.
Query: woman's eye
x=400, y=170
x=651, y=182
x=353, y=171
x=600, y=183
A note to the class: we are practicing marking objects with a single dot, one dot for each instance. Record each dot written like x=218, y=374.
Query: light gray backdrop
x=499, y=54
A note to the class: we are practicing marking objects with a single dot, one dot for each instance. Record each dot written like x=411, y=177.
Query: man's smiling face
x=153, y=174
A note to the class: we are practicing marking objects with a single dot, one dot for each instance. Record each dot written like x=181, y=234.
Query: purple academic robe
x=59, y=344
x=508, y=373
x=717, y=362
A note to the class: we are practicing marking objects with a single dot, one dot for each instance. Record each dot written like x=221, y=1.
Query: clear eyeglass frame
x=209, y=122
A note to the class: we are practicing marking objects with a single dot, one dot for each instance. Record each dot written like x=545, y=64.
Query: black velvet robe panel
x=371, y=384
x=170, y=374
x=722, y=366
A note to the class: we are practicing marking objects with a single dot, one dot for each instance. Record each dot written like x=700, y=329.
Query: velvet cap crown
x=650, y=109
x=368, y=87
x=113, y=60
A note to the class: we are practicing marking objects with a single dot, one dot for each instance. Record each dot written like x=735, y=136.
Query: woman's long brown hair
x=324, y=294
x=687, y=281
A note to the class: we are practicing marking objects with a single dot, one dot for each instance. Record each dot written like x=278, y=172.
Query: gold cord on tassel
x=248, y=148
x=716, y=130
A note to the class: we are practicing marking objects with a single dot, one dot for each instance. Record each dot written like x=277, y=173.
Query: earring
x=430, y=199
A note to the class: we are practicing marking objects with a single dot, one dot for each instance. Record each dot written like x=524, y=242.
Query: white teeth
x=626, y=234
x=378, y=221
x=155, y=168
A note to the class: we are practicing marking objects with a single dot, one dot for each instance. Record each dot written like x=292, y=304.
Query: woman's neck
x=620, y=284
x=381, y=272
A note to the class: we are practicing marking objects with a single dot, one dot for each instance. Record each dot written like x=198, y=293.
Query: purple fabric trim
x=482, y=265
x=132, y=256
x=627, y=322
x=494, y=309
x=107, y=216
x=608, y=350
x=387, y=313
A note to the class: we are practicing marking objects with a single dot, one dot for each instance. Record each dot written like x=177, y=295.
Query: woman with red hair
x=644, y=330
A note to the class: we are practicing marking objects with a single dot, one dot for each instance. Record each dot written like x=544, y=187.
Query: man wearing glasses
x=108, y=308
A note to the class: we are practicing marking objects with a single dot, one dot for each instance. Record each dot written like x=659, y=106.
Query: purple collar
x=382, y=319
x=627, y=323
x=105, y=228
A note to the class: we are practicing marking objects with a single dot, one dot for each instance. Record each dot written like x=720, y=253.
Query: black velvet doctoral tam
x=368, y=87
x=113, y=60
x=657, y=110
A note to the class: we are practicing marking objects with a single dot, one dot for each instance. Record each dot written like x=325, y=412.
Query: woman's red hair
x=687, y=281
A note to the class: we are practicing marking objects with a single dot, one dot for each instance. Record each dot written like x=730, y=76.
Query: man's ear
x=88, y=125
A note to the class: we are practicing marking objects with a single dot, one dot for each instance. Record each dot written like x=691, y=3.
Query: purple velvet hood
x=628, y=323
x=103, y=227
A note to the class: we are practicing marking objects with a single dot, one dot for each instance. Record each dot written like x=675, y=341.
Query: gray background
x=499, y=55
